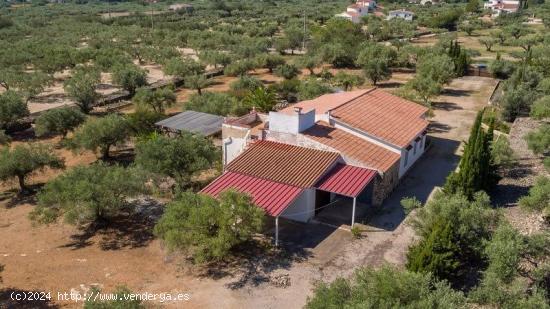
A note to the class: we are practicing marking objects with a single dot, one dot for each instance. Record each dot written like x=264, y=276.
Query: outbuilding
x=194, y=122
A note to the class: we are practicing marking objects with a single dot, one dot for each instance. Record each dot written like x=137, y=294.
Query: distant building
x=403, y=14
x=429, y=2
x=355, y=11
x=499, y=7
x=181, y=7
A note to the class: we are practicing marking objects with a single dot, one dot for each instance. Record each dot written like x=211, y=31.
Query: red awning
x=346, y=180
x=273, y=197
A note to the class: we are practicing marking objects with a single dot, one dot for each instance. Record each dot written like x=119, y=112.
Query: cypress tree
x=476, y=171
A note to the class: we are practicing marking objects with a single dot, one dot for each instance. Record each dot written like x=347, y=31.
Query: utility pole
x=304, y=36
x=151, y=4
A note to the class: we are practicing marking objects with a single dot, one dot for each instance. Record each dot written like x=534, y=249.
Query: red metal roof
x=346, y=180
x=284, y=163
x=271, y=196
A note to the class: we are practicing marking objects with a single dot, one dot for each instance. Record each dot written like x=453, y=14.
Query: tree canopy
x=209, y=228
x=180, y=157
x=86, y=194
x=82, y=87
x=100, y=134
x=58, y=121
x=23, y=160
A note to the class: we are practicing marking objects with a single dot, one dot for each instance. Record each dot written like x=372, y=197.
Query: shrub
x=385, y=288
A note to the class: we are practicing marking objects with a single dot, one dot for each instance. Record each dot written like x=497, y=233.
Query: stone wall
x=384, y=185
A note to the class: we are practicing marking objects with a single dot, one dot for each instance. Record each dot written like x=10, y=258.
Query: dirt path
x=59, y=258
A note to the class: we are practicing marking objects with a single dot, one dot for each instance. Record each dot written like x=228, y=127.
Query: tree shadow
x=456, y=92
x=8, y=295
x=16, y=197
x=124, y=231
x=438, y=127
x=123, y=157
x=440, y=160
x=253, y=263
x=446, y=106
x=29, y=135
x=389, y=85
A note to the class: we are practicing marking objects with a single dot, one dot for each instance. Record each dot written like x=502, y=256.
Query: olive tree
x=180, y=157
x=209, y=228
x=99, y=134
x=156, y=100
x=375, y=60
x=87, y=194
x=181, y=68
x=287, y=71
x=12, y=108
x=22, y=160
x=129, y=77
x=58, y=121
x=197, y=82
x=82, y=87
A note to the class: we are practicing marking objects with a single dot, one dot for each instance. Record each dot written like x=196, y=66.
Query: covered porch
x=344, y=195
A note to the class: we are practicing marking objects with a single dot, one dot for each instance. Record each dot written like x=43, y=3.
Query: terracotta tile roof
x=347, y=180
x=326, y=102
x=383, y=115
x=273, y=197
x=284, y=163
x=354, y=147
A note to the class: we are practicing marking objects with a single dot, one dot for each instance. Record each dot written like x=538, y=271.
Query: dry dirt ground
x=60, y=258
x=518, y=178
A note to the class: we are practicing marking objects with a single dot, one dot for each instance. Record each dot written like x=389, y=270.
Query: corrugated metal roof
x=284, y=163
x=271, y=196
x=196, y=122
x=346, y=180
x=353, y=147
x=386, y=116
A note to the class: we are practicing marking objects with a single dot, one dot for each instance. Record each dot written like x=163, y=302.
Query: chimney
x=298, y=109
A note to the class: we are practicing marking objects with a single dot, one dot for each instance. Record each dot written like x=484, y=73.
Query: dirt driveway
x=52, y=259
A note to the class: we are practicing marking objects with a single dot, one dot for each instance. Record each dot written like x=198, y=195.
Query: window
x=414, y=148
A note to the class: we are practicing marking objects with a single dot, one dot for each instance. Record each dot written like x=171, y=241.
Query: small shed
x=194, y=122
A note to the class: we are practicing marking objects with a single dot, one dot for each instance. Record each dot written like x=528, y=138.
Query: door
x=322, y=198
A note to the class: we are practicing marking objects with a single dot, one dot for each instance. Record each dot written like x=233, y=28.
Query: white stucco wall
x=291, y=123
x=232, y=147
x=412, y=157
x=303, y=208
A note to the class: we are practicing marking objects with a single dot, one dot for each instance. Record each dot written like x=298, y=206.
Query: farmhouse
x=354, y=12
x=350, y=146
x=403, y=14
x=499, y=7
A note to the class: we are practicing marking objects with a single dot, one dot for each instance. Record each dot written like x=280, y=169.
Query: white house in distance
x=352, y=146
x=355, y=11
x=403, y=14
x=498, y=7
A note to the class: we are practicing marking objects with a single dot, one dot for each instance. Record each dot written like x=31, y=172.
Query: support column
x=353, y=212
x=277, y=231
